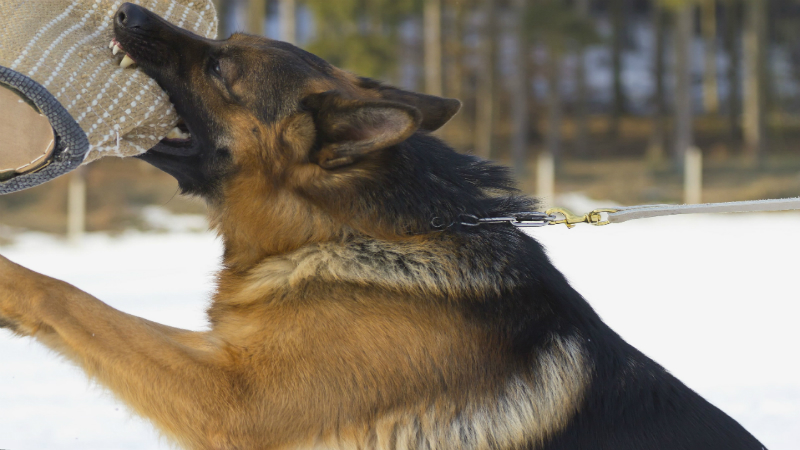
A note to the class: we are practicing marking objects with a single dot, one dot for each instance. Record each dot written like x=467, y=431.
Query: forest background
x=599, y=97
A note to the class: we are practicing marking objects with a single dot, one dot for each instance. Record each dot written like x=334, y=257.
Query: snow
x=712, y=298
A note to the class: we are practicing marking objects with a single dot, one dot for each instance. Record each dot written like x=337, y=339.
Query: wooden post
x=545, y=178
x=693, y=176
x=433, y=47
x=76, y=206
x=288, y=20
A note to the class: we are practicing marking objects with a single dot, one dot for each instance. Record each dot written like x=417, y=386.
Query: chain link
x=520, y=220
x=530, y=219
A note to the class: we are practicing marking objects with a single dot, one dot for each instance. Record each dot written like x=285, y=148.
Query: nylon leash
x=606, y=216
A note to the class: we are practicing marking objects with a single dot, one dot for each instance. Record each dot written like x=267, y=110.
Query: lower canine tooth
x=176, y=133
x=126, y=61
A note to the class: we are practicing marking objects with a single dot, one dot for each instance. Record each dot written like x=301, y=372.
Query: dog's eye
x=216, y=68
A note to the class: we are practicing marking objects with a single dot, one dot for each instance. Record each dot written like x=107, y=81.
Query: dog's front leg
x=171, y=376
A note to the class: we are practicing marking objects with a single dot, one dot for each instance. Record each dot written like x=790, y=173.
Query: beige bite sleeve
x=64, y=46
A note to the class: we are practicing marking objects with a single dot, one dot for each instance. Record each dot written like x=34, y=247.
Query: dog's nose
x=131, y=16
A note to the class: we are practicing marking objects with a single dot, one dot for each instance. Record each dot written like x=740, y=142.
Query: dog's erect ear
x=350, y=128
x=436, y=111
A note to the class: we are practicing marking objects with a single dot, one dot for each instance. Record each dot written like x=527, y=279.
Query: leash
x=605, y=216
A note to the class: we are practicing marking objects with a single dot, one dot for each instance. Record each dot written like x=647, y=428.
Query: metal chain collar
x=604, y=216
x=530, y=219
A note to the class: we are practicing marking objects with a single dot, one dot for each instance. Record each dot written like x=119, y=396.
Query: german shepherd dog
x=354, y=310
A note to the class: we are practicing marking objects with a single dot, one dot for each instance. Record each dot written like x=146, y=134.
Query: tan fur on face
x=259, y=215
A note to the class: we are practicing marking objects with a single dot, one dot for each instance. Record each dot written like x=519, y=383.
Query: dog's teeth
x=126, y=61
x=115, y=49
x=111, y=44
x=176, y=133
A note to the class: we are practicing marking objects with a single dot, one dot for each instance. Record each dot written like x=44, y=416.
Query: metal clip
x=522, y=219
x=570, y=220
x=532, y=219
x=469, y=220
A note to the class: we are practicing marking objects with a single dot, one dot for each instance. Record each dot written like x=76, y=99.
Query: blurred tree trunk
x=655, y=150
x=755, y=61
x=288, y=9
x=432, y=15
x=554, y=104
x=533, y=69
x=454, y=73
x=519, y=91
x=256, y=14
x=617, y=44
x=484, y=113
x=582, y=110
x=709, y=26
x=223, y=8
x=684, y=138
x=732, y=48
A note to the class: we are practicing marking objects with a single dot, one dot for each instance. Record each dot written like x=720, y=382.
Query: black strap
x=71, y=142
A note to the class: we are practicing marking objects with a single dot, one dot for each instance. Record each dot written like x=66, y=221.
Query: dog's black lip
x=131, y=44
x=174, y=150
x=142, y=45
x=187, y=147
x=178, y=147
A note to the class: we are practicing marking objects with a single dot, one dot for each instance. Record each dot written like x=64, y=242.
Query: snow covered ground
x=715, y=299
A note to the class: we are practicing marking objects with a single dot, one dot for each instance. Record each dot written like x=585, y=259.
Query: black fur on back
x=423, y=186
x=632, y=402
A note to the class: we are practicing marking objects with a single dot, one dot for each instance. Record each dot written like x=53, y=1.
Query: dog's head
x=289, y=150
x=249, y=98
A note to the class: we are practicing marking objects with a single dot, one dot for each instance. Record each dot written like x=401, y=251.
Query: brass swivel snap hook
x=570, y=219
